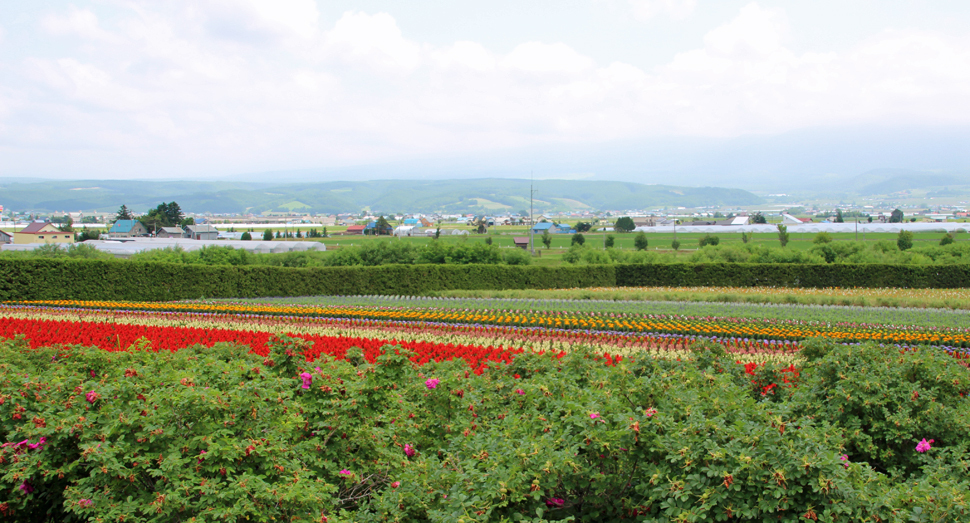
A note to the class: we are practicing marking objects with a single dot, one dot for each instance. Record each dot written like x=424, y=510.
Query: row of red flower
x=120, y=337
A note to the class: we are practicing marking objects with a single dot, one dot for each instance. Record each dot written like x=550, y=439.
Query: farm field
x=373, y=408
x=502, y=237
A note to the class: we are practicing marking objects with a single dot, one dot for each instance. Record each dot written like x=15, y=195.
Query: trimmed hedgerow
x=124, y=280
x=40, y=279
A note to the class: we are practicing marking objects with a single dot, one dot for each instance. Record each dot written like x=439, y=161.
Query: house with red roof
x=42, y=232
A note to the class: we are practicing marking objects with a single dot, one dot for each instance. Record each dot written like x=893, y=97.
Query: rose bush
x=221, y=434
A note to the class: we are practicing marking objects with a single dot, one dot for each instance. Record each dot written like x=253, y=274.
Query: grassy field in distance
x=502, y=236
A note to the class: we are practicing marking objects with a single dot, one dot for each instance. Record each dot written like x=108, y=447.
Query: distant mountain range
x=488, y=195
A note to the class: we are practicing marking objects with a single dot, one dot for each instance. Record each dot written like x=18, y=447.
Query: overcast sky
x=181, y=88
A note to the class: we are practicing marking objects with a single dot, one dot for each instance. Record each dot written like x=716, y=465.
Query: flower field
x=477, y=335
x=372, y=409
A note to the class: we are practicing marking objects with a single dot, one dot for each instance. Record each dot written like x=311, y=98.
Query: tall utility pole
x=532, y=234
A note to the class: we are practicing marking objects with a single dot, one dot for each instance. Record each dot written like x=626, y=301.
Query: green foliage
x=745, y=237
x=675, y=245
x=838, y=216
x=581, y=254
x=546, y=238
x=905, y=240
x=583, y=226
x=89, y=234
x=822, y=237
x=383, y=227
x=758, y=218
x=516, y=257
x=220, y=434
x=123, y=213
x=578, y=239
x=246, y=236
x=165, y=215
x=818, y=275
x=896, y=216
x=34, y=279
x=609, y=241
x=77, y=251
x=946, y=240
x=709, y=240
x=640, y=241
x=783, y=234
x=268, y=235
x=624, y=224
x=885, y=401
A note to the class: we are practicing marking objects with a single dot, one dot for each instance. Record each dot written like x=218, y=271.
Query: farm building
x=372, y=229
x=521, y=242
x=201, y=232
x=355, y=229
x=169, y=232
x=553, y=228
x=127, y=229
x=42, y=232
x=6, y=237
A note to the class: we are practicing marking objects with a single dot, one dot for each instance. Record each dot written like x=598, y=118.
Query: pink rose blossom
x=307, y=379
x=555, y=502
x=520, y=392
x=594, y=415
x=346, y=472
x=409, y=450
x=650, y=412
x=432, y=383
x=27, y=488
x=396, y=484
x=86, y=503
x=92, y=396
x=39, y=445
x=924, y=445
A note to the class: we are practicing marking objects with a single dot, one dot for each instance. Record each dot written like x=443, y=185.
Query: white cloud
x=276, y=90
x=258, y=20
x=76, y=22
x=537, y=57
x=755, y=31
x=371, y=40
x=471, y=55
x=675, y=9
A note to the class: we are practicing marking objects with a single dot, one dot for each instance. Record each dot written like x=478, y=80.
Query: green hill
x=489, y=195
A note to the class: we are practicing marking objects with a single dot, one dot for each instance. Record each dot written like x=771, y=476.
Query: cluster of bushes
x=369, y=254
x=218, y=434
x=218, y=255
x=407, y=253
x=53, y=251
x=885, y=252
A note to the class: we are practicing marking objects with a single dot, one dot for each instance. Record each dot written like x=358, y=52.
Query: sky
x=217, y=88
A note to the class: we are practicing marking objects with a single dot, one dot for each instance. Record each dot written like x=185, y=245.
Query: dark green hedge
x=124, y=280
x=794, y=275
